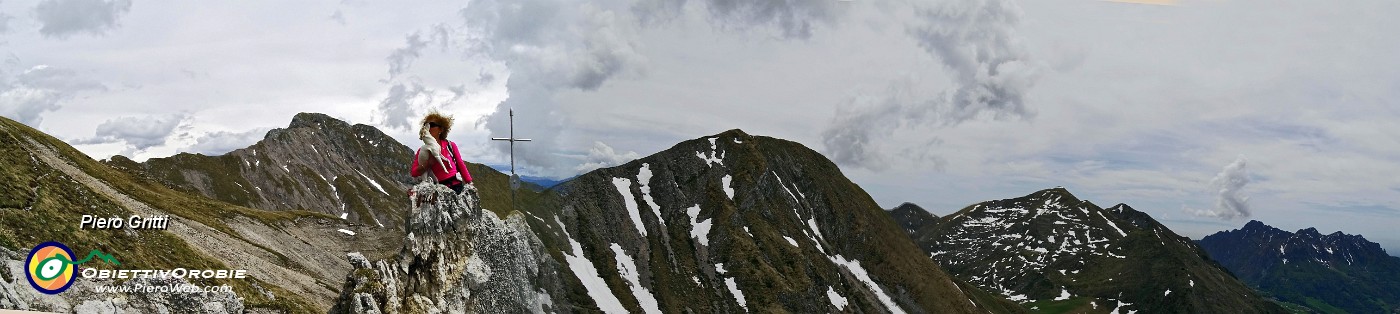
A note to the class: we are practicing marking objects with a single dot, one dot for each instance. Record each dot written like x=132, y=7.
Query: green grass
x=1321, y=306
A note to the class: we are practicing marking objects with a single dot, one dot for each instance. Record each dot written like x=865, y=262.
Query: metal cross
x=514, y=179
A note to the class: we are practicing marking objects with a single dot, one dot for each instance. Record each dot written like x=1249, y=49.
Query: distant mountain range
x=1055, y=253
x=1332, y=273
x=542, y=182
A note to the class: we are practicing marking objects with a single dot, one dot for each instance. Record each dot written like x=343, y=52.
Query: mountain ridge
x=718, y=208
x=723, y=215
x=1051, y=249
x=59, y=184
x=1328, y=273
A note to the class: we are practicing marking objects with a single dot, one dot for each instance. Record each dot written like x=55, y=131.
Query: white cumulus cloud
x=1230, y=203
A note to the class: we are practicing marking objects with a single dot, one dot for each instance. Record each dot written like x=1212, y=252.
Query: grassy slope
x=43, y=204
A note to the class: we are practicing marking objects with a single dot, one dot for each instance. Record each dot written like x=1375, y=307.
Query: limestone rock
x=454, y=260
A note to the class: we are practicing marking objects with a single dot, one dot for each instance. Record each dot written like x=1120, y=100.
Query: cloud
x=602, y=155
x=791, y=18
x=138, y=133
x=549, y=47
x=402, y=58
x=40, y=89
x=338, y=17
x=408, y=101
x=991, y=73
x=5, y=22
x=1229, y=203
x=63, y=18
x=220, y=142
x=556, y=46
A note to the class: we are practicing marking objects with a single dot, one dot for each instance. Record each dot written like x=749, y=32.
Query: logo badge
x=50, y=267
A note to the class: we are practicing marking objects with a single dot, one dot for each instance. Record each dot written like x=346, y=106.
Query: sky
x=1202, y=113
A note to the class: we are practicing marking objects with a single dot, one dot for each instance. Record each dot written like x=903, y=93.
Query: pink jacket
x=448, y=148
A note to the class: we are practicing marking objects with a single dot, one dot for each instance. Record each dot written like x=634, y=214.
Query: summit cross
x=514, y=179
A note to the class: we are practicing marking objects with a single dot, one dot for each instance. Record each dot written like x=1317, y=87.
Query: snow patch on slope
x=700, y=230
x=1111, y=224
x=812, y=223
x=624, y=188
x=726, y=183
x=854, y=267
x=1064, y=295
x=738, y=294
x=714, y=157
x=588, y=275
x=836, y=299
x=644, y=178
x=371, y=182
x=627, y=267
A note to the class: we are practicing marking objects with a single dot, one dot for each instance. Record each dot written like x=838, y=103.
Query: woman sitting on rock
x=440, y=154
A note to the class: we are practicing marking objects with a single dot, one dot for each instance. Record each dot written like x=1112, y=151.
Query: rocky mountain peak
x=1050, y=247
x=908, y=207
x=1336, y=270
x=1305, y=245
x=455, y=260
x=318, y=163
x=1255, y=225
x=1310, y=231
x=912, y=217
x=734, y=222
x=316, y=120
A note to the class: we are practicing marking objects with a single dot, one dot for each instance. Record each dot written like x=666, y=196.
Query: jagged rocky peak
x=1305, y=245
x=314, y=120
x=455, y=260
x=1323, y=272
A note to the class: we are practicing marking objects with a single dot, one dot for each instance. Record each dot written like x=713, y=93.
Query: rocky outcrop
x=85, y=297
x=454, y=260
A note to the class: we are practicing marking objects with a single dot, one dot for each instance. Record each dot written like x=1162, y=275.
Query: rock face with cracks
x=454, y=260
